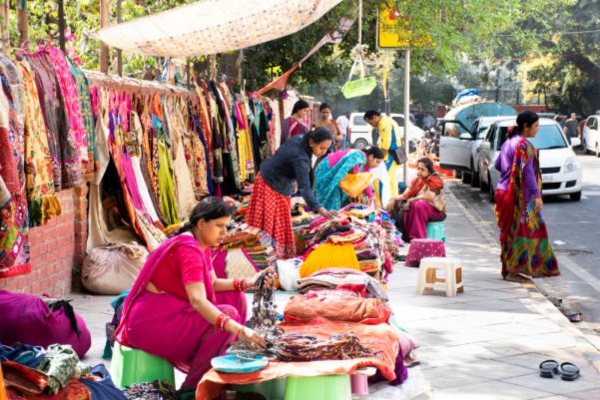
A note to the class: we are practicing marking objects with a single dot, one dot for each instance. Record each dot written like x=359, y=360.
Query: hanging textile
x=186, y=200
x=85, y=106
x=14, y=223
x=43, y=202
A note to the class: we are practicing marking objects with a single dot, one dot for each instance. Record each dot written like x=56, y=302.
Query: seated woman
x=334, y=167
x=423, y=201
x=173, y=309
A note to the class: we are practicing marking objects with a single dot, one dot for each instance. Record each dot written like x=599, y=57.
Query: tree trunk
x=23, y=25
x=103, y=47
x=585, y=65
x=4, y=28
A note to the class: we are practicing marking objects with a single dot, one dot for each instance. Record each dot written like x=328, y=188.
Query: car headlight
x=571, y=165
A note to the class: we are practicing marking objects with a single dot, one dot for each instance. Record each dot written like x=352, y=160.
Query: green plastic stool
x=131, y=365
x=273, y=389
x=435, y=230
x=325, y=387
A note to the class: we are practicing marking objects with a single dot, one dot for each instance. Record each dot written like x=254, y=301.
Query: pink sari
x=179, y=333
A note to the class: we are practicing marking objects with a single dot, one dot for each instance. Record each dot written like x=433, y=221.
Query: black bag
x=399, y=155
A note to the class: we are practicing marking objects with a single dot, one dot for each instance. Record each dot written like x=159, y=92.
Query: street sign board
x=393, y=32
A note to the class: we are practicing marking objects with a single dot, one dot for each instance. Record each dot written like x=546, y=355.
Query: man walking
x=571, y=127
x=389, y=140
x=343, y=123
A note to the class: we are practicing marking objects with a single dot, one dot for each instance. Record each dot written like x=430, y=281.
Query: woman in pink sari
x=173, y=310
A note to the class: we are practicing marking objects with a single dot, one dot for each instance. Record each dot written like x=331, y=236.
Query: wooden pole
x=61, y=25
x=212, y=67
x=4, y=28
x=119, y=51
x=103, y=47
x=22, y=23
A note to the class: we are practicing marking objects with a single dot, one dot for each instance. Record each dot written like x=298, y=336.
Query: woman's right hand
x=252, y=340
x=329, y=214
x=392, y=204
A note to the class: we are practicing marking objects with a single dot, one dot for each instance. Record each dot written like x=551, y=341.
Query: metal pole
x=22, y=23
x=406, y=110
x=388, y=107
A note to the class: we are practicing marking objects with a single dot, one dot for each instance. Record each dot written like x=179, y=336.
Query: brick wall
x=56, y=248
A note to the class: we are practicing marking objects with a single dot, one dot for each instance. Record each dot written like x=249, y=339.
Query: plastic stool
x=359, y=384
x=273, y=389
x=324, y=387
x=428, y=279
x=435, y=230
x=131, y=365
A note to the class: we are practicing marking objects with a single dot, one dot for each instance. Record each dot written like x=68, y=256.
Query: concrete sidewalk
x=485, y=343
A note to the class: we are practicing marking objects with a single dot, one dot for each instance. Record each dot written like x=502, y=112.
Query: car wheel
x=474, y=176
x=491, y=191
x=360, y=144
x=597, y=150
x=466, y=177
x=575, y=196
x=482, y=184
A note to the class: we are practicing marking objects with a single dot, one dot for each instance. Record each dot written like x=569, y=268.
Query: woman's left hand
x=271, y=277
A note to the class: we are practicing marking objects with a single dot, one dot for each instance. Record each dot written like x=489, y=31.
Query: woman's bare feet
x=517, y=278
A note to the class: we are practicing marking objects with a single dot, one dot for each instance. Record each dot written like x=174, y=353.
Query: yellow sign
x=393, y=30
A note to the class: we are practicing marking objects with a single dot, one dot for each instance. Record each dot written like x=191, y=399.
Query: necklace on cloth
x=295, y=347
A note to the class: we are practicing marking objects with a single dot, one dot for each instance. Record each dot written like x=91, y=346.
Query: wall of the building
x=57, y=249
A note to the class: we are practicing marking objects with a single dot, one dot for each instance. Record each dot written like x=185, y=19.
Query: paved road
x=577, y=225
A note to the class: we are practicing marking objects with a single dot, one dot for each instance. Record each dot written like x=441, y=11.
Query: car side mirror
x=465, y=136
x=575, y=142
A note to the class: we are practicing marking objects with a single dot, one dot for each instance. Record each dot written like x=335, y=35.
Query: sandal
x=548, y=368
x=569, y=371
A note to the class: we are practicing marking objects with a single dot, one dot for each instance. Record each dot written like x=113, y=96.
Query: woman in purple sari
x=174, y=310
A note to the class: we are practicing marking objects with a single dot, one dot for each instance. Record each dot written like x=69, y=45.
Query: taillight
x=349, y=131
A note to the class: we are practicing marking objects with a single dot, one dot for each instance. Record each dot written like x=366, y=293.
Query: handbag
x=399, y=155
x=355, y=184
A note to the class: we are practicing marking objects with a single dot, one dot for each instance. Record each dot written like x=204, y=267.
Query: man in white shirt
x=343, y=123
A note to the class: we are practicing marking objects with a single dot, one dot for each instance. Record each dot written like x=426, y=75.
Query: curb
x=588, y=341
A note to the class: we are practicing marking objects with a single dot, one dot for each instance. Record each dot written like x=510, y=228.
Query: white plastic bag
x=288, y=272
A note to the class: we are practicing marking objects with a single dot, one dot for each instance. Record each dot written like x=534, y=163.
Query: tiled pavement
x=485, y=343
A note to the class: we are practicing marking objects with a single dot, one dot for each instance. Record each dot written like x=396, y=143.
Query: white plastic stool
x=451, y=282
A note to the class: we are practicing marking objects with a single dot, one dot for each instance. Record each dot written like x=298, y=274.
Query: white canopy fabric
x=214, y=26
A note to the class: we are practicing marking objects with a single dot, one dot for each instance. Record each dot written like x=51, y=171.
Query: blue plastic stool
x=325, y=387
x=435, y=230
x=273, y=389
x=129, y=365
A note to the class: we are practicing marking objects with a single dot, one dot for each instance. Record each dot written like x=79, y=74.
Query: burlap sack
x=113, y=269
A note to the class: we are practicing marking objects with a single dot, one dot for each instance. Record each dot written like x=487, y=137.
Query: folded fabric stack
x=262, y=252
x=258, y=245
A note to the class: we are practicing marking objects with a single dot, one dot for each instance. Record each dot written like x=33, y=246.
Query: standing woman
x=325, y=121
x=270, y=204
x=525, y=248
x=294, y=125
x=176, y=308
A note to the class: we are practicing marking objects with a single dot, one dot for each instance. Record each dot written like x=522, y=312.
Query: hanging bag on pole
x=360, y=87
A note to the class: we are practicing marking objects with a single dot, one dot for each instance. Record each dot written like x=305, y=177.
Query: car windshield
x=549, y=137
x=359, y=120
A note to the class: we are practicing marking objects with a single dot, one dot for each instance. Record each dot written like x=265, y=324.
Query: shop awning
x=214, y=26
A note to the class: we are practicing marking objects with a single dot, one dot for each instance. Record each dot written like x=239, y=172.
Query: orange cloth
x=434, y=182
x=381, y=338
x=2, y=390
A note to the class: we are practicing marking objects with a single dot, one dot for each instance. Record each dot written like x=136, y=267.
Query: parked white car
x=561, y=171
x=591, y=135
x=361, y=135
x=479, y=131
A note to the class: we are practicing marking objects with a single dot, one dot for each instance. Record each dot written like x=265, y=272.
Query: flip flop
x=569, y=371
x=548, y=368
